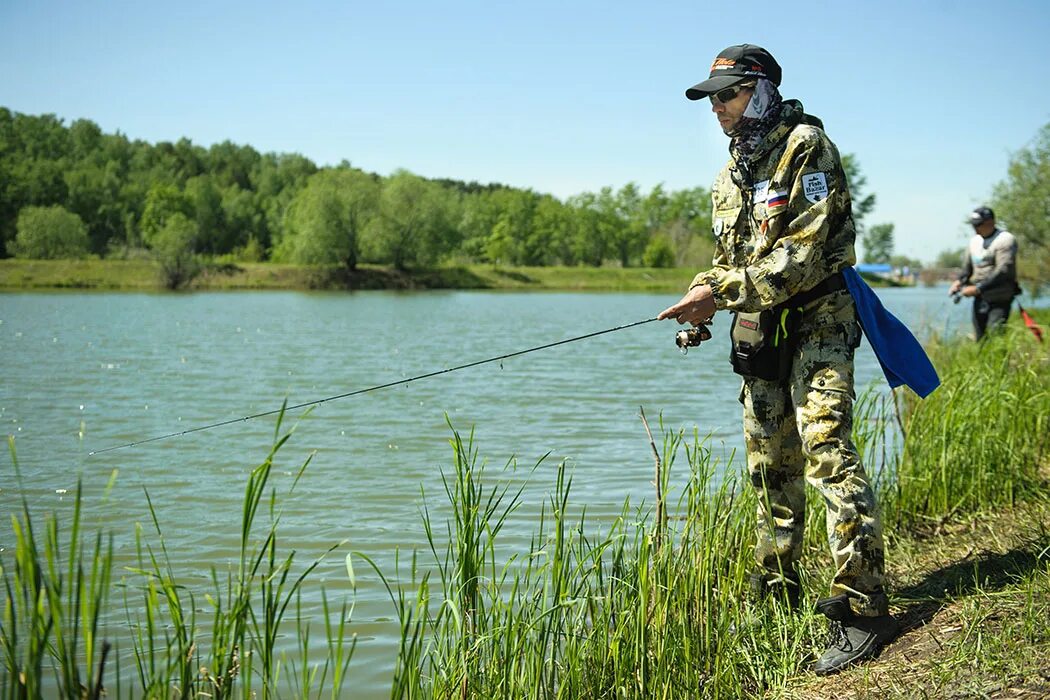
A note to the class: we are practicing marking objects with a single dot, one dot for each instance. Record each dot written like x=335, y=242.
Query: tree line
x=69, y=191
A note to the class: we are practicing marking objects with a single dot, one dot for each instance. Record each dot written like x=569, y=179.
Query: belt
x=830, y=284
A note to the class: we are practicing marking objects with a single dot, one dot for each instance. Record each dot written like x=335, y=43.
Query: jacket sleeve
x=797, y=260
x=967, y=268
x=1004, y=272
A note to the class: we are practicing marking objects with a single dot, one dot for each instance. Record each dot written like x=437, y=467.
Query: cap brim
x=713, y=85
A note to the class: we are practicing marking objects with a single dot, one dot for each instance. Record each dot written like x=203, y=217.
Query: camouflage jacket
x=782, y=220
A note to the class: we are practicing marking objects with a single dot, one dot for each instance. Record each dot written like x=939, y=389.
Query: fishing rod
x=372, y=388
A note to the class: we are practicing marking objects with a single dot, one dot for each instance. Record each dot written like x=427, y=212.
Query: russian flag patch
x=776, y=199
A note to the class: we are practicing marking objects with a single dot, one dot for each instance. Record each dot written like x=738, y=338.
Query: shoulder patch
x=815, y=187
x=760, y=191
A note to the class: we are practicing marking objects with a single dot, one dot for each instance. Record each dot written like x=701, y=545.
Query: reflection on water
x=89, y=371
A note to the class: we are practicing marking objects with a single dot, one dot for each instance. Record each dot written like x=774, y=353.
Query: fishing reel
x=956, y=298
x=691, y=337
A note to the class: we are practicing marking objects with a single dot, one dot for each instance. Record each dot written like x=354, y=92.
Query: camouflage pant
x=801, y=428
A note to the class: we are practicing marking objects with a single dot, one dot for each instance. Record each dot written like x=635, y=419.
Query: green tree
x=659, y=252
x=163, y=201
x=1022, y=202
x=173, y=247
x=686, y=221
x=878, y=244
x=903, y=261
x=863, y=203
x=94, y=195
x=244, y=220
x=552, y=225
x=501, y=246
x=414, y=226
x=629, y=236
x=214, y=235
x=480, y=211
x=950, y=258
x=277, y=179
x=326, y=220
x=49, y=233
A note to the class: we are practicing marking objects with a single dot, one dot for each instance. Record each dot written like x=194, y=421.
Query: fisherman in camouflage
x=784, y=231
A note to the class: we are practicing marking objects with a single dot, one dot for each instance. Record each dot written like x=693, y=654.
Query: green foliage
x=125, y=191
x=251, y=252
x=863, y=203
x=163, y=202
x=49, y=233
x=659, y=253
x=173, y=248
x=950, y=258
x=903, y=261
x=414, y=226
x=965, y=451
x=878, y=243
x=327, y=218
x=1022, y=202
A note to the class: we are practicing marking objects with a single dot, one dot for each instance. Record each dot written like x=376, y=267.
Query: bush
x=659, y=253
x=49, y=233
x=173, y=247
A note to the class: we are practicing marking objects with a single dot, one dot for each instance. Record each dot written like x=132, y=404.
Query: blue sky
x=561, y=97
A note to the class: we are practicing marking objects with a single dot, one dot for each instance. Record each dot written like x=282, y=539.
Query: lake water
x=84, y=372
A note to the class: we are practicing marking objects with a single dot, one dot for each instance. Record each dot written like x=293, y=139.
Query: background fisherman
x=784, y=233
x=989, y=272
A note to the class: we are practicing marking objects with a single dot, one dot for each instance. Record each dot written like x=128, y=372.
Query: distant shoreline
x=144, y=275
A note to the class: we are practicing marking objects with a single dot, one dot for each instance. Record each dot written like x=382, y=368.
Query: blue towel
x=902, y=358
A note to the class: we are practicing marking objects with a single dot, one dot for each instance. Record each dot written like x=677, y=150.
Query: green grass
x=144, y=274
x=133, y=275
x=979, y=440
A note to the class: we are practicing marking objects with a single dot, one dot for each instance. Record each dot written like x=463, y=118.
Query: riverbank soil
x=973, y=598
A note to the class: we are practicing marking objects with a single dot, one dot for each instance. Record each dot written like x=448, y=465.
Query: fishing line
x=371, y=388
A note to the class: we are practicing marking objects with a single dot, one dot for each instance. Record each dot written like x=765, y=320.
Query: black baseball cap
x=980, y=215
x=736, y=64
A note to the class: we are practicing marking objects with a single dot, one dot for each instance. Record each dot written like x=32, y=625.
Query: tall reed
x=55, y=594
x=56, y=600
x=644, y=608
x=587, y=610
x=979, y=440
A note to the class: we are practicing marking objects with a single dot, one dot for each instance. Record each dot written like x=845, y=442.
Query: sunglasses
x=726, y=94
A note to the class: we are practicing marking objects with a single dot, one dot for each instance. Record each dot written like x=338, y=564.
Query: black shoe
x=854, y=637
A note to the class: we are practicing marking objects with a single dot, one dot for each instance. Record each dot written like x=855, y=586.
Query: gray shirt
x=991, y=265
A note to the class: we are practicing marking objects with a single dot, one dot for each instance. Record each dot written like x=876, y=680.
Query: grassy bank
x=145, y=275
x=651, y=604
x=141, y=275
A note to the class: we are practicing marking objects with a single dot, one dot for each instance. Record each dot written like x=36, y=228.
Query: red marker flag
x=1030, y=324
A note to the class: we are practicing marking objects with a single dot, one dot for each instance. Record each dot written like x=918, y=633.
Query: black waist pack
x=764, y=342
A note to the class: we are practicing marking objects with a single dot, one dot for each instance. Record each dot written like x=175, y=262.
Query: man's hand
x=971, y=290
x=697, y=306
x=956, y=286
